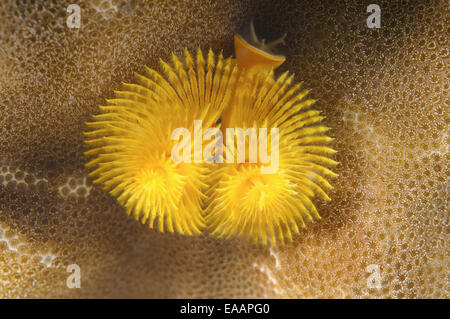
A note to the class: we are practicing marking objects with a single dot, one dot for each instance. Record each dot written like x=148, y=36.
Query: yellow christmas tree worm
x=131, y=147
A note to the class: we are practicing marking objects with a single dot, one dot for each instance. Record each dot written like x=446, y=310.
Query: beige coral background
x=384, y=93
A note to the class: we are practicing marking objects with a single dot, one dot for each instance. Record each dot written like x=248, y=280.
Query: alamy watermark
x=374, y=19
x=374, y=279
x=74, y=19
x=213, y=151
x=74, y=279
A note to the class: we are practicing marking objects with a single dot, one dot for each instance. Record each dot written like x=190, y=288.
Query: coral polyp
x=130, y=141
x=271, y=207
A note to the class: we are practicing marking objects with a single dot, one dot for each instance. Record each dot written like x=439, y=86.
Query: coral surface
x=383, y=92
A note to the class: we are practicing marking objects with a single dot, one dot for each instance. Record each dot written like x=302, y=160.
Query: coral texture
x=382, y=92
